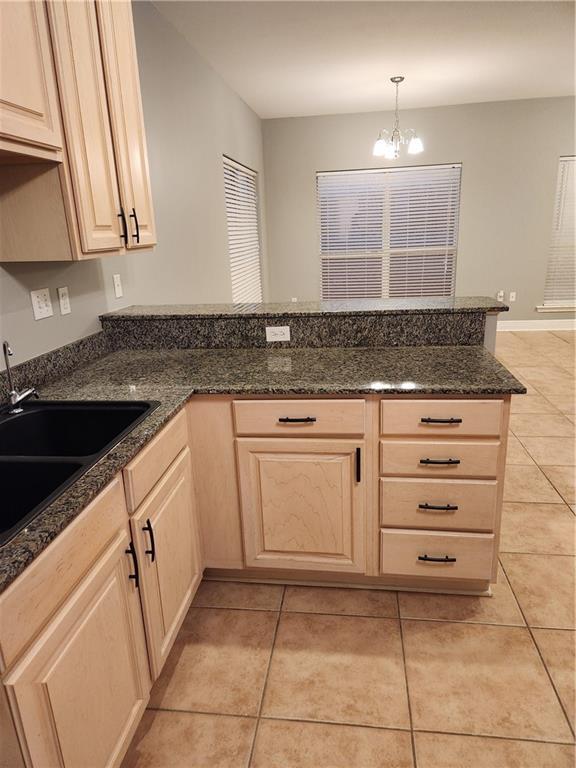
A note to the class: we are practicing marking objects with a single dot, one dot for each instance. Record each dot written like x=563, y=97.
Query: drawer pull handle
x=294, y=420
x=439, y=507
x=358, y=465
x=152, y=550
x=430, y=420
x=450, y=462
x=136, y=575
x=428, y=559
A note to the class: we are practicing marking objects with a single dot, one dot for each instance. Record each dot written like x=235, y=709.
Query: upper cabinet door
x=86, y=124
x=29, y=112
x=123, y=85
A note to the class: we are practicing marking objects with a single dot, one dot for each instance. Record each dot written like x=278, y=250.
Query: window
x=389, y=232
x=560, y=289
x=241, y=193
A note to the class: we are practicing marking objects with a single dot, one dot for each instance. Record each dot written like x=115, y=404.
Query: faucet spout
x=14, y=396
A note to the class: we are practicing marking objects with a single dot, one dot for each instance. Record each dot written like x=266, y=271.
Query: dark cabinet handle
x=291, y=420
x=428, y=559
x=136, y=575
x=429, y=420
x=358, y=465
x=450, y=462
x=152, y=550
x=122, y=217
x=438, y=507
x=133, y=216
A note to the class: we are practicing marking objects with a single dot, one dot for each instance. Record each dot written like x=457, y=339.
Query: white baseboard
x=537, y=325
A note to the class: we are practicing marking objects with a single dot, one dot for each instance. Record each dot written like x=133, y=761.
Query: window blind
x=389, y=232
x=560, y=287
x=241, y=194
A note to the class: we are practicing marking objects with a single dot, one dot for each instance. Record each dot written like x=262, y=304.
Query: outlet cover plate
x=277, y=333
x=41, y=303
x=64, y=299
x=118, y=292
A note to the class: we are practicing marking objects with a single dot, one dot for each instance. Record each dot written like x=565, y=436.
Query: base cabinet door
x=164, y=529
x=302, y=503
x=82, y=687
x=29, y=111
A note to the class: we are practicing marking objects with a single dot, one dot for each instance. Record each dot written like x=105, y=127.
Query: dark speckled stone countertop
x=173, y=376
x=313, y=308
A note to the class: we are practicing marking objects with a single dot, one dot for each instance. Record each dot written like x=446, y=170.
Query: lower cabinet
x=164, y=531
x=83, y=685
x=302, y=503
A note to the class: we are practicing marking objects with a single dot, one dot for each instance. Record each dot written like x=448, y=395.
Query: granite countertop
x=173, y=376
x=312, y=308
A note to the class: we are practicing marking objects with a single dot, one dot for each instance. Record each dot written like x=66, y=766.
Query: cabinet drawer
x=459, y=418
x=403, y=553
x=439, y=458
x=143, y=472
x=447, y=504
x=299, y=418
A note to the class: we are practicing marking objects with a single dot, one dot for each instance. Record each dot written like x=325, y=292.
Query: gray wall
x=509, y=152
x=192, y=117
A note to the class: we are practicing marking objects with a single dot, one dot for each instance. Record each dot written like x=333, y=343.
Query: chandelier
x=388, y=143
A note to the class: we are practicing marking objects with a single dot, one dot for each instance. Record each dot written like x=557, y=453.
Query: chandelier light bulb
x=380, y=147
x=415, y=146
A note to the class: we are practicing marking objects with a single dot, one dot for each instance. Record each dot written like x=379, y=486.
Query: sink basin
x=68, y=429
x=48, y=446
x=27, y=487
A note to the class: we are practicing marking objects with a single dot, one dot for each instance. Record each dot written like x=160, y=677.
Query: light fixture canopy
x=388, y=143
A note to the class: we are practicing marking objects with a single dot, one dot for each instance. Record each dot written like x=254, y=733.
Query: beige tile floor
x=308, y=677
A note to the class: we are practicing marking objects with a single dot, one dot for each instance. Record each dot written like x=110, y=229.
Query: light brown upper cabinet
x=127, y=119
x=29, y=111
x=98, y=200
x=86, y=124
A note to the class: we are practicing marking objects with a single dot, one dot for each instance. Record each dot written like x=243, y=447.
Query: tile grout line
x=529, y=628
x=412, y=736
x=258, y=716
x=395, y=729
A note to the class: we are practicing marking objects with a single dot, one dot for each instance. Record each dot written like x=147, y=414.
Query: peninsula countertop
x=173, y=376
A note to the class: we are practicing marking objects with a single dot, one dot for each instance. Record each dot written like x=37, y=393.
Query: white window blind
x=241, y=193
x=389, y=232
x=560, y=287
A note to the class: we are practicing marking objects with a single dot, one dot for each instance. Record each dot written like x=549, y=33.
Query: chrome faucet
x=14, y=396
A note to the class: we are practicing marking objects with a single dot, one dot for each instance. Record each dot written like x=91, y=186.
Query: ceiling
x=311, y=58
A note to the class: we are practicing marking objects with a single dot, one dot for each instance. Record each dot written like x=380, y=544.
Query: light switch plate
x=118, y=292
x=41, y=303
x=64, y=299
x=512, y=296
x=277, y=333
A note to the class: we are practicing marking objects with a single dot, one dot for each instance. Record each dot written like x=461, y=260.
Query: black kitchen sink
x=67, y=429
x=49, y=445
x=27, y=487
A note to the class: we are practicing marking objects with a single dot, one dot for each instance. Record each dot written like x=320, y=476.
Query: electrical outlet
x=277, y=333
x=64, y=299
x=41, y=303
x=118, y=292
x=512, y=296
x=500, y=296
x=294, y=299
